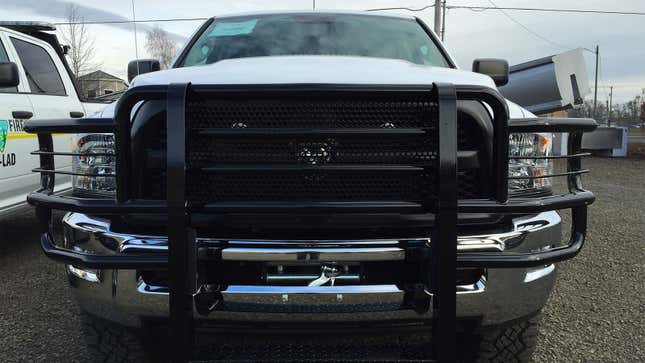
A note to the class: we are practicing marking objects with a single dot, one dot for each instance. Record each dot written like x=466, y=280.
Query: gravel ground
x=38, y=316
x=596, y=313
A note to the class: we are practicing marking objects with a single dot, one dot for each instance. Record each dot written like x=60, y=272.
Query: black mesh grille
x=310, y=186
x=468, y=187
x=311, y=111
x=366, y=149
x=239, y=115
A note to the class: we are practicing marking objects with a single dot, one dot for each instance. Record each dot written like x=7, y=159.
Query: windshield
x=315, y=34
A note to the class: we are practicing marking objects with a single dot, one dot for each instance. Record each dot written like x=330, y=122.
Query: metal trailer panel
x=549, y=84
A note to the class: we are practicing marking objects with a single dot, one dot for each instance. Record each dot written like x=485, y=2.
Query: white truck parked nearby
x=44, y=88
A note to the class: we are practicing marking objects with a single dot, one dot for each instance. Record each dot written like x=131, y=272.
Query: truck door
x=51, y=90
x=51, y=94
x=16, y=178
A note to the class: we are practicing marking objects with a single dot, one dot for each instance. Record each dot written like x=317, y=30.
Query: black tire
x=512, y=343
x=111, y=343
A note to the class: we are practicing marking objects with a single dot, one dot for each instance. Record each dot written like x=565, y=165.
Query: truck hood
x=315, y=70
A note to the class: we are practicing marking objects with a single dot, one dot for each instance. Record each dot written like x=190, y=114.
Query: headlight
x=95, y=164
x=530, y=144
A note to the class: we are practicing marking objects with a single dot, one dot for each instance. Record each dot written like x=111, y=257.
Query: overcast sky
x=469, y=34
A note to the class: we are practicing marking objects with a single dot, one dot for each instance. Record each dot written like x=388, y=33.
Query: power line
x=553, y=10
x=402, y=8
x=99, y=22
x=629, y=86
x=528, y=29
x=472, y=8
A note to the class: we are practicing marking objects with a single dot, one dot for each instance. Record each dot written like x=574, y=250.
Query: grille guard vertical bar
x=123, y=112
x=444, y=246
x=179, y=245
x=500, y=133
x=47, y=181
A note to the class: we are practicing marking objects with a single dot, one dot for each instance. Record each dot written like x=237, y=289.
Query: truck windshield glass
x=317, y=34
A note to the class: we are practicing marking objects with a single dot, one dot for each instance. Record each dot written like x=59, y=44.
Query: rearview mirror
x=9, y=76
x=497, y=69
x=141, y=66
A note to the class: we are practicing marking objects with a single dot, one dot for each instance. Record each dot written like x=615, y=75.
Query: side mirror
x=497, y=69
x=141, y=66
x=9, y=76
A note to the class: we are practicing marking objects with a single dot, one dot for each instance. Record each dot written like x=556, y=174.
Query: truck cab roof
x=316, y=12
x=28, y=27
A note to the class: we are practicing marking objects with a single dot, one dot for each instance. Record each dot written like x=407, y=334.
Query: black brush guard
x=181, y=261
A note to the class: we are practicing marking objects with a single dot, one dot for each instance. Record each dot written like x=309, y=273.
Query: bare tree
x=81, y=43
x=160, y=46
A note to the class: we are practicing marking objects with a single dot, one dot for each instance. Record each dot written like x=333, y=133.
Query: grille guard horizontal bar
x=107, y=125
x=160, y=261
x=112, y=207
x=552, y=124
x=70, y=126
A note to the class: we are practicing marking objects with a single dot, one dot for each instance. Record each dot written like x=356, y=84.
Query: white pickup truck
x=45, y=89
x=313, y=186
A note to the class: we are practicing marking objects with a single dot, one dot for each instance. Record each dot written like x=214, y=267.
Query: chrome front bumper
x=500, y=295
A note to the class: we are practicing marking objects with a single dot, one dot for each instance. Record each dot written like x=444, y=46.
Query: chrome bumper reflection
x=528, y=234
x=303, y=299
x=502, y=295
x=313, y=254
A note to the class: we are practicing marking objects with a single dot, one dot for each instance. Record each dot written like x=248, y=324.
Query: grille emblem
x=314, y=153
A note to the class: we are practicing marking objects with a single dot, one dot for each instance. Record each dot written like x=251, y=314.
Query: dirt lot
x=596, y=314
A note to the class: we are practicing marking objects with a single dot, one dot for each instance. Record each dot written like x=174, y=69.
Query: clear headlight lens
x=530, y=144
x=96, y=146
x=520, y=144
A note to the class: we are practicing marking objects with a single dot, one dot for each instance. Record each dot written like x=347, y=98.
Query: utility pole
x=136, y=45
x=437, y=17
x=595, y=92
x=611, y=98
x=443, y=20
x=641, y=109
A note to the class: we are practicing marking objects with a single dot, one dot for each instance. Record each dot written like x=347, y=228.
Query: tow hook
x=421, y=299
x=207, y=299
x=327, y=274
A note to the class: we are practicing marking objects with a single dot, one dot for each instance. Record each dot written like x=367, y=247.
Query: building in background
x=99, y=83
